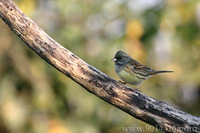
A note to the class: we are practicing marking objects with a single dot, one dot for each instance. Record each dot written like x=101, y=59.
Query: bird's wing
x=142, y=69
x=134, y=63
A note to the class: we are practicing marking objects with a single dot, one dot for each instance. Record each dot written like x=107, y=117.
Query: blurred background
x=36, y=98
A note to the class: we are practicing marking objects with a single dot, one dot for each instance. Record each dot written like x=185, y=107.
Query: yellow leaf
x=134, y=29
x=135, y=49
x=27, y=6
x=56, y=126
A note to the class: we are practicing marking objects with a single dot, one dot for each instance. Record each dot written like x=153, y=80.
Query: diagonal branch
x=137, y=104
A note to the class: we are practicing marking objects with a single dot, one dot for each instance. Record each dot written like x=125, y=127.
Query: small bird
x=131, y=71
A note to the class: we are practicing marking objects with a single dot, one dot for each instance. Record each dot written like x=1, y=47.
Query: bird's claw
x=122, y=82
x=137, y=89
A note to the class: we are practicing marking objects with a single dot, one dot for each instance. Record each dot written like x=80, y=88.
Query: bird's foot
x=122, y=82
x=137, y=88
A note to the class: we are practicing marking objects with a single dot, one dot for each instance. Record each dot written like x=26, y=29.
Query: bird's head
x=121, y=58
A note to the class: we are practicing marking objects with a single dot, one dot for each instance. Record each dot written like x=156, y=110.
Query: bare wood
x=137, y=104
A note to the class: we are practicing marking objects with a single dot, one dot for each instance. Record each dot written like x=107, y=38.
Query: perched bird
x=131, y=71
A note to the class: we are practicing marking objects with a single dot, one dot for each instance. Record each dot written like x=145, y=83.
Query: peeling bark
x=137, y=104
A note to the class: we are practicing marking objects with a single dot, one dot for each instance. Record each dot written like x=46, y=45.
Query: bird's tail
x=156, y=72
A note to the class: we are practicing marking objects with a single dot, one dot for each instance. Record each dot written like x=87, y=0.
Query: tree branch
x=137, y=104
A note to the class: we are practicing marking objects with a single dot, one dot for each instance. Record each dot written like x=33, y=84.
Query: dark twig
x=137, y=104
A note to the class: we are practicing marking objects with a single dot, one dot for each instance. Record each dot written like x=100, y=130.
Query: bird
x=131, y=71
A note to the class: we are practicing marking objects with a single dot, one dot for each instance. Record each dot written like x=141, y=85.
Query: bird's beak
x=114, y=59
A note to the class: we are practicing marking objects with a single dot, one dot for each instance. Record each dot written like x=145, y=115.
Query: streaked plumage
x=131, y=71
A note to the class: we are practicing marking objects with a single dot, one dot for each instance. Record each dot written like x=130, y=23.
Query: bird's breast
x=130, y=77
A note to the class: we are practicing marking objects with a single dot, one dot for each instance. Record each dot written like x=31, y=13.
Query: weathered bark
x=137, y=104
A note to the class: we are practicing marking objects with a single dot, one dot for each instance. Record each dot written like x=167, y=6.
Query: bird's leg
x=138, y=86
x=122, y=82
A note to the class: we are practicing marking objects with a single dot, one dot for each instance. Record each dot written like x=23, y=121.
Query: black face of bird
x=120, y=58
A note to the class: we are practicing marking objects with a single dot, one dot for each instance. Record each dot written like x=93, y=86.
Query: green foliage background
x=36, y=98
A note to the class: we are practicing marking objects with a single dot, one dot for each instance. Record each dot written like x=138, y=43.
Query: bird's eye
x=119, y=58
